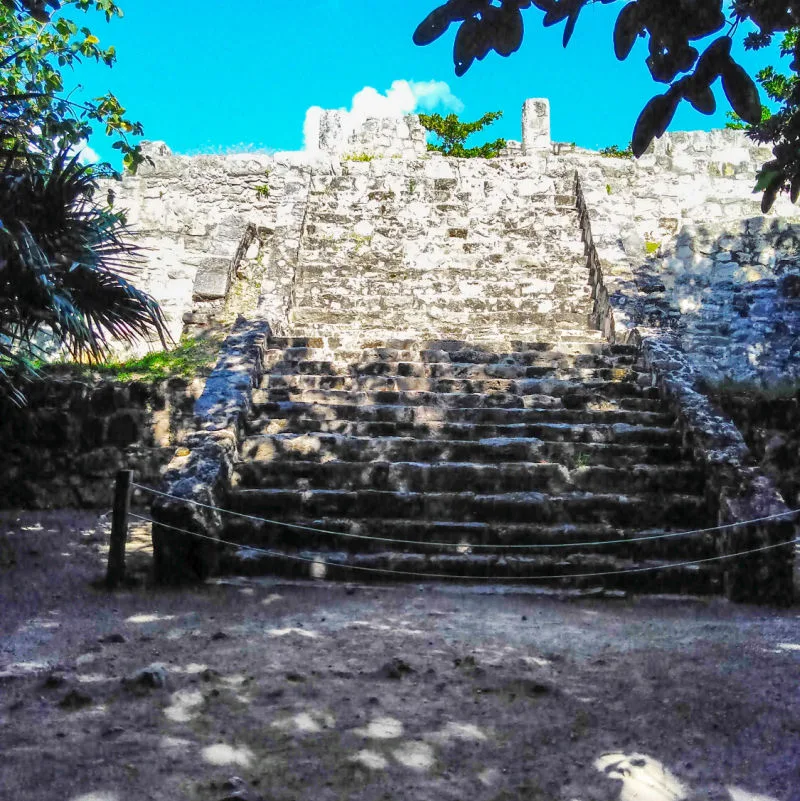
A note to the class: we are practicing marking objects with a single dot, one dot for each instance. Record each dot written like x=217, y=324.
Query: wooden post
x=119, y=529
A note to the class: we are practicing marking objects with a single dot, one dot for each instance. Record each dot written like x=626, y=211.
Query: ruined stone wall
x=771, y=429
x=681, y=241
x=331, y=132
x=65, y=447
x=685, y=249
x=196, y=218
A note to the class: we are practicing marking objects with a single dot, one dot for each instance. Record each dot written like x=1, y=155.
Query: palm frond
x=65, y=265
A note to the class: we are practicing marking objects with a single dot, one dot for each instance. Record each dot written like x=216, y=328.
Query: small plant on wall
x=453, y=134
x=617, y=152
x=262, y=190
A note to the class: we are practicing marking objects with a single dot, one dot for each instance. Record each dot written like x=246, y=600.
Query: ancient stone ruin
x=439, y=359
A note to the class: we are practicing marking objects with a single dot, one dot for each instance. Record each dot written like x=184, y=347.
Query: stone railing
x=736, y=489
x=198, y=481
x=603, y=313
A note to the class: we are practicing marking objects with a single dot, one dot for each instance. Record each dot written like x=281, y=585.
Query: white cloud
x=88, y=155
x=433, y=94
x=403, y=97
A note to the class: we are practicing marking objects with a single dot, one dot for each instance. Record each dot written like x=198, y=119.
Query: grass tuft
x=194, y=356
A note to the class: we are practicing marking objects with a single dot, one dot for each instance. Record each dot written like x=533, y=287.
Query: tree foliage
x=40, y=113
x=670, y=29
x=453, y=134
x=782, y=128
x=65, y=261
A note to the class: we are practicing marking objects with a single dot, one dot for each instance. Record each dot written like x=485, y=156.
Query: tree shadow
x=732, y=299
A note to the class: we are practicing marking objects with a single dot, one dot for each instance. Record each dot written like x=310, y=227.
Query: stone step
x=574, y=572
x=499, y=420
x=482, y=338
x=441, y=242
x=455, y=268
x=332, y=204
x=547, y=377
x=444, y=352
x=526, y=394
x=442, y=288
x=662, y=447
x=454, y=222
x=503, y=320
x=410, y=310
x=648, y=511
x=544, y=366
x=450, y=476
x=434, y=537
x=560, y=302
x=381, y=205
x=440, y=254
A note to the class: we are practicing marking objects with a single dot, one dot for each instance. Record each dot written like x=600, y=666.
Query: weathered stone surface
x=213, y=279
x=65, y=447
x=683, y=213
x=196, y=483
x=152, y=677
x=536, y=125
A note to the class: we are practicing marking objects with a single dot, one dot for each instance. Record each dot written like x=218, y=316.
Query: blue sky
x=210, y=80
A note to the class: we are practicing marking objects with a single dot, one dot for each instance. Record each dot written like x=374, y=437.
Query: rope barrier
x=523, y=546
x=316, y=561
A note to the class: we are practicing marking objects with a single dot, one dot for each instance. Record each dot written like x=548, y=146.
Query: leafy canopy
x=670, y=28
x=453, y=134
x=40, y=113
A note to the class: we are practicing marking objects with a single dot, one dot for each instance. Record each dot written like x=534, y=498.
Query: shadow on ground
x=279, y=690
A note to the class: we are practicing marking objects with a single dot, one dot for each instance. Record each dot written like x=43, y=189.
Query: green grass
x=358, y=157
x=651, y=248
x=194, y=356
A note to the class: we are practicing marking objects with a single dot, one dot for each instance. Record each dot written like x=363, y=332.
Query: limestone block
x=683, y=164
x=212, y=279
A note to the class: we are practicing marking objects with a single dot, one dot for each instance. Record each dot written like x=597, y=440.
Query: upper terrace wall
x=681, y=238
x=684, y=247
x=329, y=132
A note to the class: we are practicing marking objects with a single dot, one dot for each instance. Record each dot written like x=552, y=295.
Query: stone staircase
x=419, y=399
x=453, y=258
x=476, y=447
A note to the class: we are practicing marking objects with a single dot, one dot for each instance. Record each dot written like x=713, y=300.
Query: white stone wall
x=681, y=239
x=332, y=132
x=190, y=216
x=684, y=247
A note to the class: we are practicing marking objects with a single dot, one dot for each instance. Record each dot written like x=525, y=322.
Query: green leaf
x=766, y=178
x=653, y=121
x=626, y=30
x=741, y=92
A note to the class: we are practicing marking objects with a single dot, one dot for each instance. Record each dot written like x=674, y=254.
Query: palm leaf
x=66, y=266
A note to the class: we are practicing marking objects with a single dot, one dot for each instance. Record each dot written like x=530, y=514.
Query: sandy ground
x=276, y=690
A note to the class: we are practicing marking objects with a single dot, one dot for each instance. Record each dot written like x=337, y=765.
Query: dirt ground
x=278, y=690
